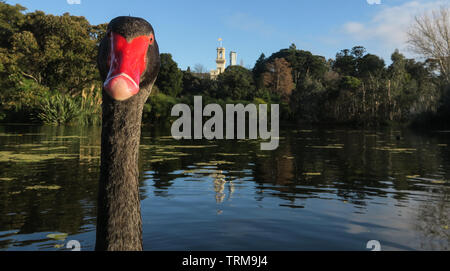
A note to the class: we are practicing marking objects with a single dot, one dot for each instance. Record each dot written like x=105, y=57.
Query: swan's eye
x=151, y=39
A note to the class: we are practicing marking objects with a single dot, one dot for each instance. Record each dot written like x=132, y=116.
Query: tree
x=302, y=63
x=201, y=71
x=236, y=83
x=410, y=88
x=170, y=77
x=345, y=63
x=429, y=36
x=305, y=101
x=348, y=61
x=358, y=51
x=258, y=70
x=44, y=55
x=278, y=77
x=58, y=52
x=191, y=84
x=11, y=17
x=370, y=65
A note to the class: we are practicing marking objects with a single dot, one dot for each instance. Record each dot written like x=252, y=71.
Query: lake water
x=321, y=189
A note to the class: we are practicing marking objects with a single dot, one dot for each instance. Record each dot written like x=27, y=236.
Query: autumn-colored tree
x=278, y=77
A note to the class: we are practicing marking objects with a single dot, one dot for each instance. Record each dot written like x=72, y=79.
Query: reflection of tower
x=220, y=60
x=233, y=58
x=219, y=188
x=219, y=185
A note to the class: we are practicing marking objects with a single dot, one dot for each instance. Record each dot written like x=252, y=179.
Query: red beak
x=127, y=62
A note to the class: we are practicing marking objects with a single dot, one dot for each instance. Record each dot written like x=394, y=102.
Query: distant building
x=233, y=58
x=220, y=62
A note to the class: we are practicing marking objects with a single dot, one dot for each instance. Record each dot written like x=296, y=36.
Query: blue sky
x=189, y=29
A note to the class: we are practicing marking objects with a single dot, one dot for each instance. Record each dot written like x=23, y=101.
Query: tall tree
x=258, y=70
x=429, y=36
x=170, y=78
x=11, y=18
x=236, y=83
x=347, y=61
x=302, y=63
x=370, y=65
x=58, y=52
x=278, y=77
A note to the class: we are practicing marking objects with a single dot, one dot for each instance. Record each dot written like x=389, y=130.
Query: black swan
x=128, y=61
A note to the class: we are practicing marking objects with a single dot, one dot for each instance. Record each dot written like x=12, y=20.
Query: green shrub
x=59, y=109
x=21, y=101
x=91, y=107
x=158, y=107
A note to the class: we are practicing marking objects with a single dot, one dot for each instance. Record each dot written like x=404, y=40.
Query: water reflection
x=433, y=223
x=321, y=189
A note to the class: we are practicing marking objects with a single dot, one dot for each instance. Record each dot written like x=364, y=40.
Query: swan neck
x=119, y=221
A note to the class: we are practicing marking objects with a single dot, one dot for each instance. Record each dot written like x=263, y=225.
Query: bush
x=91, y=107
x=21, y=101
x=236, y=83
x=59, y=109
x=158, y=107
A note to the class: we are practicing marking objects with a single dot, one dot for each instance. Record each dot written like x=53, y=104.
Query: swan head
x=128, y=59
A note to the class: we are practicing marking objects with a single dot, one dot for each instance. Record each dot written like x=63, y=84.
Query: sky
x=189, y=30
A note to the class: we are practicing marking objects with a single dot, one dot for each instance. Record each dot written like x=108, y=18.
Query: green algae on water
x=214, y=163
x=13, y=135
x=230, y=154
x=312, y=173
x=8, y=156
x=43, y=187
x=395, y=150
x=5, y=179
x=162, y=159
x=173, y=153
x=335, y=146
x=50, y=148
x=70, y=137
x=57, y=236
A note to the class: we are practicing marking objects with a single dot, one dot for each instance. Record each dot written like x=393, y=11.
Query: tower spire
x=220, y=61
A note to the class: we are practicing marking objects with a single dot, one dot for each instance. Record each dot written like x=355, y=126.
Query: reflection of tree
x=278, y=169
x=349, y=165
x=69, y=209
x=433, y=222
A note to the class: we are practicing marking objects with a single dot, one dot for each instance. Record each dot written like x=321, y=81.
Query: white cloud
x=74, y=2
x=371, y=2
x=354, y=28
x=387, y=29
